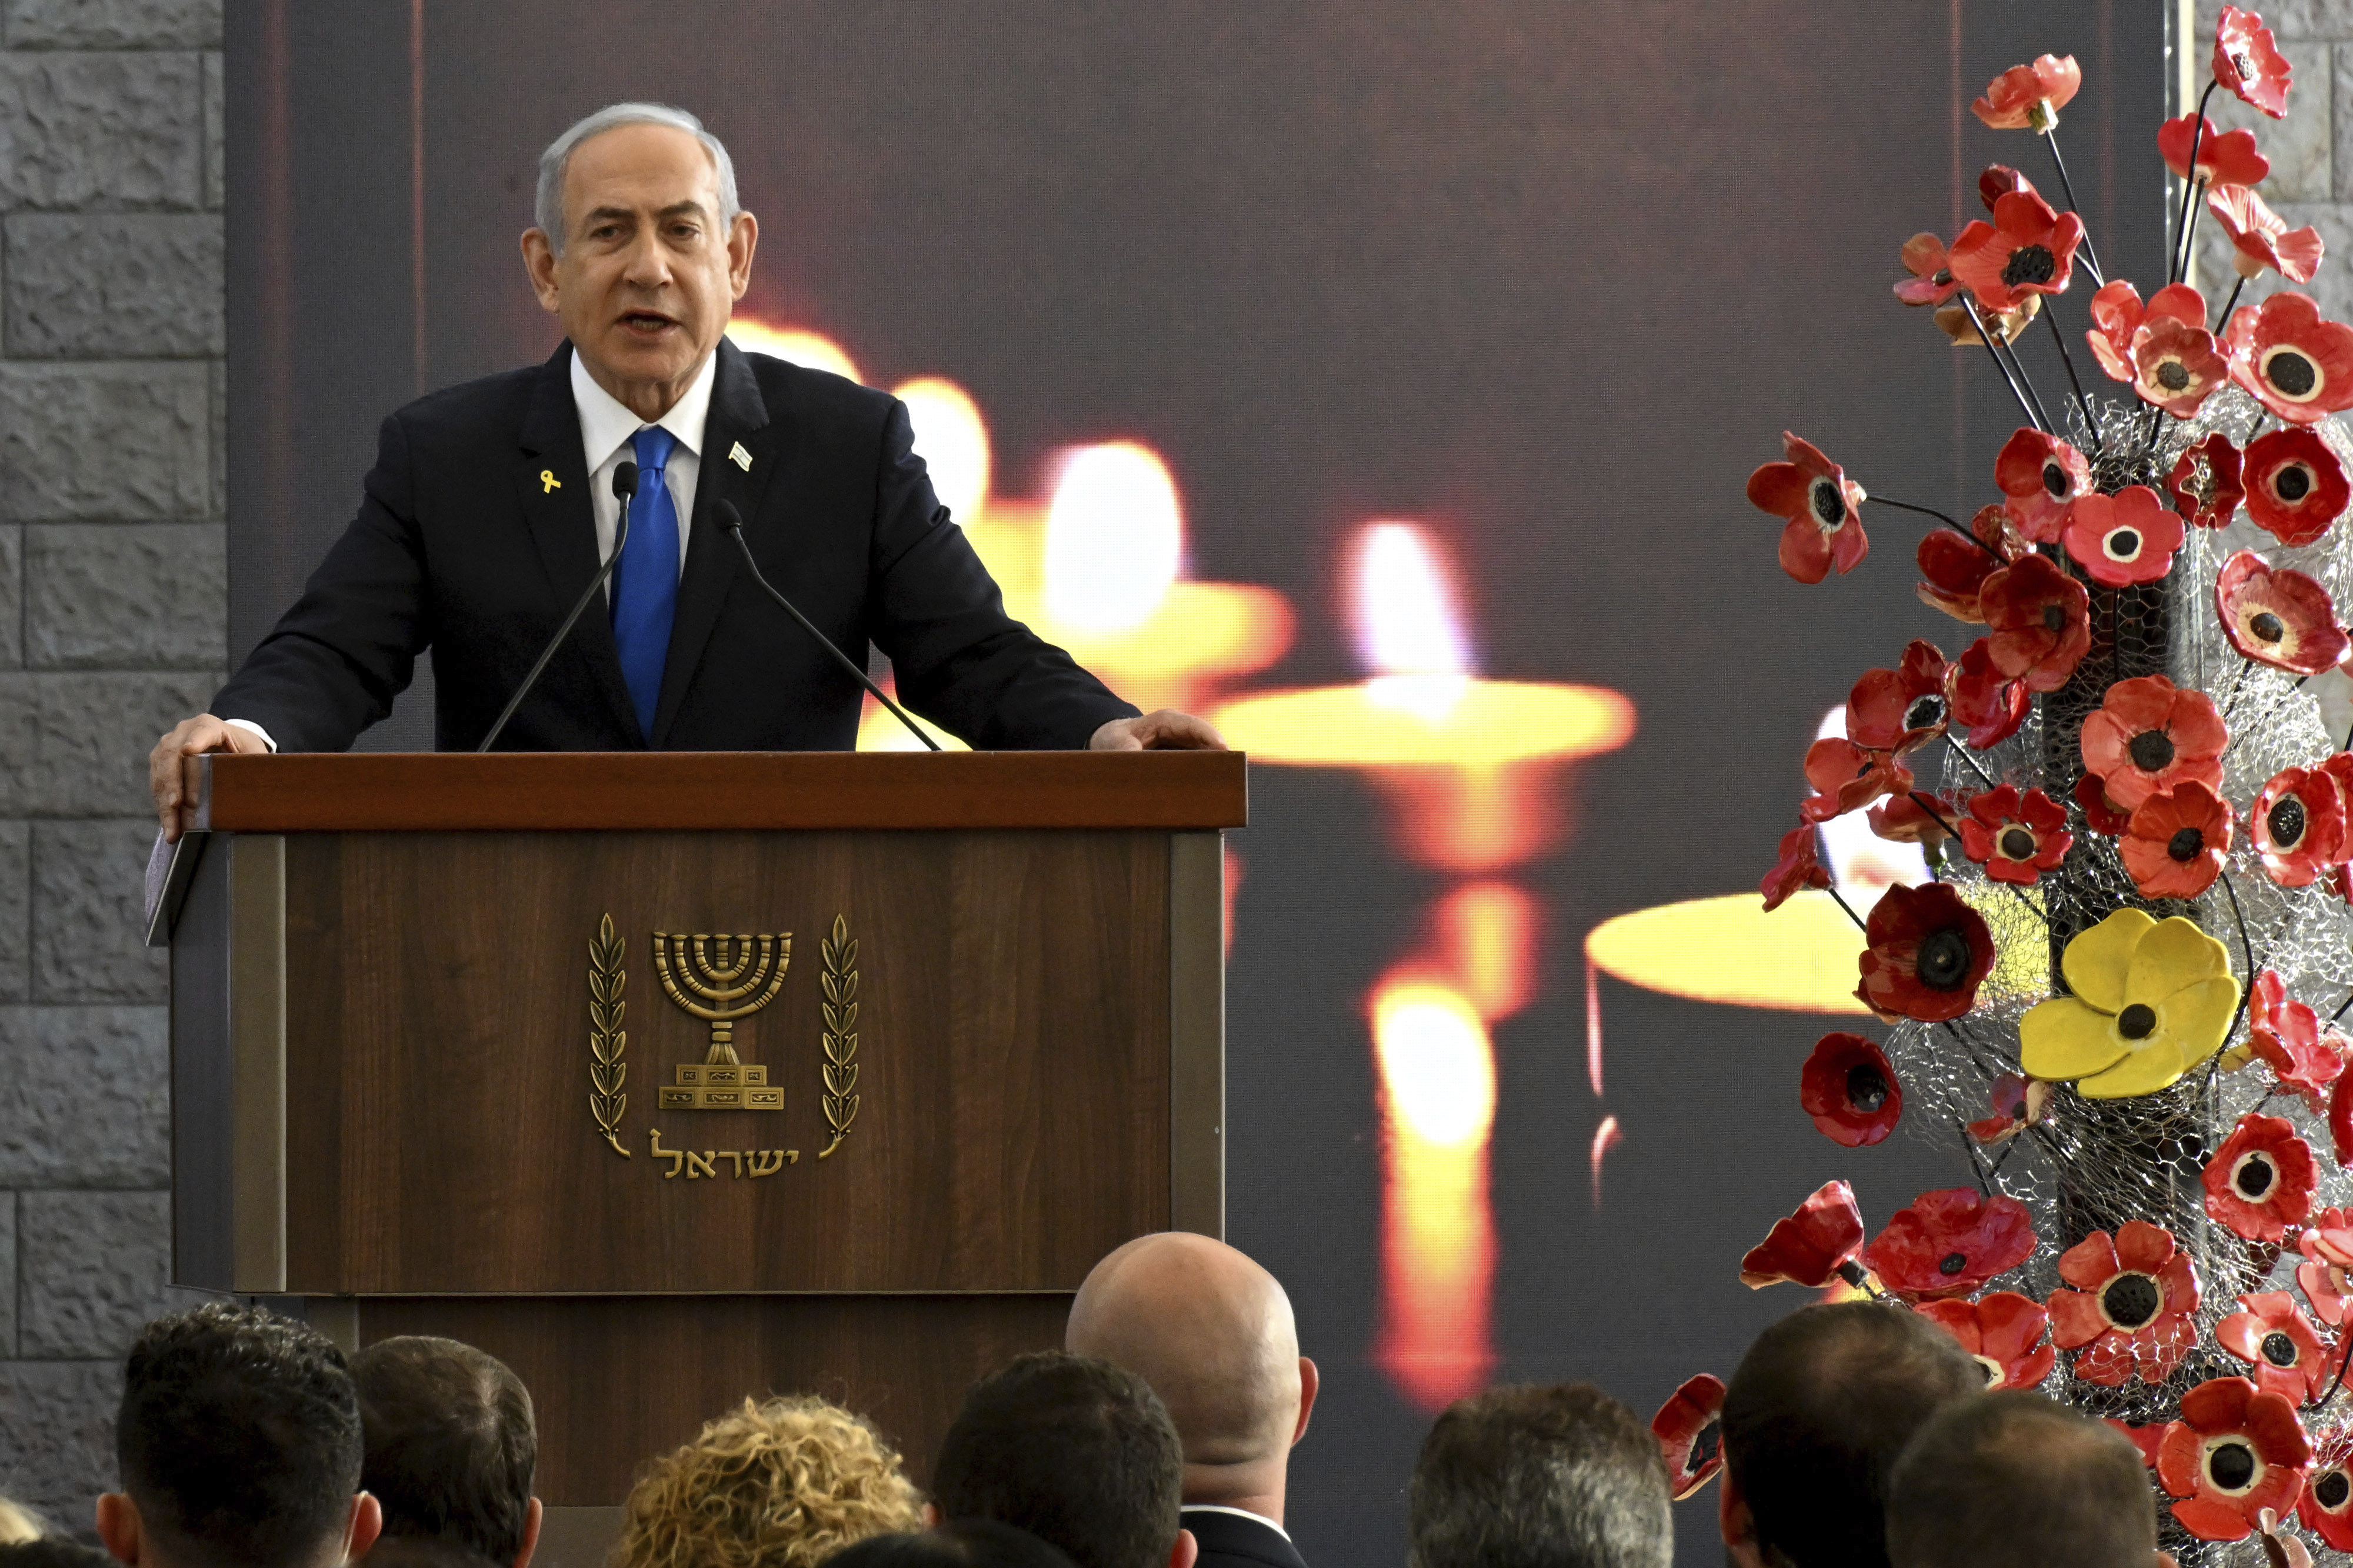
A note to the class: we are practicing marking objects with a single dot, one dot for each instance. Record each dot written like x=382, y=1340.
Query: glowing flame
x=1437, y=1073
x=809, y=350
x=1489, y=933
x=1114, y=538
x=953, y=441
x=1408, y=628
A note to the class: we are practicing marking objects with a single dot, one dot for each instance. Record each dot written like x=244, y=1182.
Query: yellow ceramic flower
x=2153, y=999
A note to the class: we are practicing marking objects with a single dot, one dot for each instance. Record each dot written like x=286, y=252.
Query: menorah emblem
x=728, y=977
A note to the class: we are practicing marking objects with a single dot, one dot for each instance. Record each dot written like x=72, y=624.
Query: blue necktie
x=645, y=585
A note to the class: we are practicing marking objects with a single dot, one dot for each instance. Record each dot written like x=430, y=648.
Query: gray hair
x=1526, y=1477
x=549, y=210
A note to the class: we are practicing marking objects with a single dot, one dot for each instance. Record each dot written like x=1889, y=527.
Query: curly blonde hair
x=784, y=1484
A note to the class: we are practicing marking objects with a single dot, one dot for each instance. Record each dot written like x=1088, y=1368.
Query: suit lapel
x=739, y=415
x=551, y=477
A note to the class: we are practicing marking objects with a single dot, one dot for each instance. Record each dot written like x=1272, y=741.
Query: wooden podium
x=669, y=1079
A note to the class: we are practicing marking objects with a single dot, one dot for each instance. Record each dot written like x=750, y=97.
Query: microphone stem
x=620, y=537
x=735, y=532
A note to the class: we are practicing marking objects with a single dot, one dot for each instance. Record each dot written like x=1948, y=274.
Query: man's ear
x=119, y=1528
x=1309, y=1382
x=364, y=1525
x=530, y=1519
x=743, y=239
x=1739, y=1526
x=539, y=264
x=1186, y=1549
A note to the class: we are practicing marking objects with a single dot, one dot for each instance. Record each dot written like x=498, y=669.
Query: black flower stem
x=1833, y=892
x=2223, y=320
x=2188, y=187
x=2091, y=255
x=2003, y=1158
x=1948, y=523
x=2091, y=420
x=1998, y=363
x=1925, y=804
x=2230, y=698
x=2333, y=1017
x=1975, y=767
x=2049, y=425
x=1977, y=1166
x=2197, y=211
x=2339, y=1382
x=2244, y=947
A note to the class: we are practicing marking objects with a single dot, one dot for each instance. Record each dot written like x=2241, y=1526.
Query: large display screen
x=1381, y=381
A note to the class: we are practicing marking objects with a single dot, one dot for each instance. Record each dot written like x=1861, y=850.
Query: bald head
x=1212, y=1332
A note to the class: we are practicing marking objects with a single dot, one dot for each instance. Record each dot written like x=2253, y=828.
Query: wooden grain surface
x=616, y=1381
x=642, y=791
x=1013, y=1063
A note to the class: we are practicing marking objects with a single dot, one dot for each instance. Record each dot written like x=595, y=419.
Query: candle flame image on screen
x=811, y=350
x=1488, y=932
x=953, y=441
x=1114, y=538
x=1436, y=1068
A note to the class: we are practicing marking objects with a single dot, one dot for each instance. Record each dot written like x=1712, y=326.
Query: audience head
x=2013, y=1480
x=450, y=1449
x=1076, y=1451
x=51, y=1551
x=784, y=1484
x=959, y=1543
x=239, y=1442
x=1816, y=1417
x=1540, y=1477
x=1212, y=1332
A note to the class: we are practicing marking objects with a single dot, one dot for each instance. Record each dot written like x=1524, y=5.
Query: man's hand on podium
x=191, y=738
x=1162, y=731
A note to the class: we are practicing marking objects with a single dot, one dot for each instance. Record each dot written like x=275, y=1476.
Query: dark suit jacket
x=1229, y=1540
x=461, y=545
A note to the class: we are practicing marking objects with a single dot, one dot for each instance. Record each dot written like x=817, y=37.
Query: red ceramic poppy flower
x=2131, y=1311
x=2148, y=737
x=2118, y=316
x=1914, y=818
x=1932, y=281
x=1847, y=777
x=2029, y=96
x=2287, y=1036
x=2224, y=157
x=1690, y=1430
x=2004, y=1330
x=2340, y=1113
x=1998, y=181
x=2101, y=814
x=1812, y=1247
x=1953, y=569
x=2248, y=63
x=2041, y=475
x=2176, y=841
x=2040, y=623
x=2015, y=838
x=2281, y=617
x=2327, y=1248
x=1825, y=528
x=2147, y=1439
x=2177, y=367
x=1799, y=866
x=2235, y=1452
x=2260, y=238
x=2259, y=1183
x=1949, y=1243
x=1899, y=710
x=1850, y=1090
x=2018, y=1104
x=2326, y=1506
x=2123, y=539
x=1987, y=703
x=2279, y=1343
x=2299, y=821
x=2299, y=366
x=2205, y=482
x=1927, y=953
x=2295, y=487
x=2027, y=249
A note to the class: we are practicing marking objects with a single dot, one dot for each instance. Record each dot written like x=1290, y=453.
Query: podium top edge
x=517, y=791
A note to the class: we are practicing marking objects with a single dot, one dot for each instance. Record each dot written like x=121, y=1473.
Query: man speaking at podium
x=492, y=507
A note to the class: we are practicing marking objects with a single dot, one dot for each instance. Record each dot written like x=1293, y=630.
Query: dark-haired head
x=53, y=1551
x=957, y=1543
x=238, y=1441
x=451, y=1445
x=1076, y=1451
x=1539, y=1477
x=1816, y=1417
x=2013, y=1480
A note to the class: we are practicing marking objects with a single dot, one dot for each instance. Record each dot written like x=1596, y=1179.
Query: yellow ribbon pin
x=548, y=482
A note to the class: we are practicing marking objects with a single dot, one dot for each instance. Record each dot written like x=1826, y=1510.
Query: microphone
x=733, y=521
x=625, y=485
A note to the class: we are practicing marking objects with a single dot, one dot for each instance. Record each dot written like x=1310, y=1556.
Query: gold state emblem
x=728, y=977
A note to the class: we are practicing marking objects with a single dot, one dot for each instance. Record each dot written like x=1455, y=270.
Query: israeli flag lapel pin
x=740, y=457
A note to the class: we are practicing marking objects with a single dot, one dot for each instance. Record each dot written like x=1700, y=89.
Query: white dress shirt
x=606, y=431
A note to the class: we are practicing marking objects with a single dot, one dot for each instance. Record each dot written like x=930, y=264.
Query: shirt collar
x=607, y=424
x=1238, y=1512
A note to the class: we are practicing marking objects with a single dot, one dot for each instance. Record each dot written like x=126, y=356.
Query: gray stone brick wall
x=114, y=599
